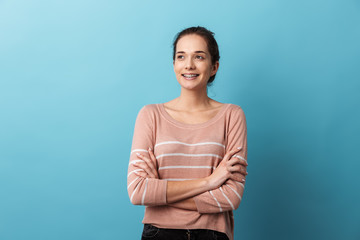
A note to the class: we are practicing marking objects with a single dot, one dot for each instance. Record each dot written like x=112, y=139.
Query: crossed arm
x=221, y=191
x=181, y=194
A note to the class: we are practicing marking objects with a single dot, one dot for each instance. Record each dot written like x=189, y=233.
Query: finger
x=142, y=174
x=229, y=154
x=154, y=162
x=239, y=175
x=240, y=157
x=150, y=166
x=145, y=167
x=136, y=161
x=242, y=160
x=153, y=158
x=238, y=168
x=149, y=171
x=237, y=162
x=232, y=152
x=145, y=159
x=234, y=161
x=139, y=165
x=139, y=170
x=238, y=178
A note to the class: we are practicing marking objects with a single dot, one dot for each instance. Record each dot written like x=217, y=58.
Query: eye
x=179, y=57
x=199, y=57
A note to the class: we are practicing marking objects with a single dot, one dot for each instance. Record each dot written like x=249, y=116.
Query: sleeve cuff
x=158, y=191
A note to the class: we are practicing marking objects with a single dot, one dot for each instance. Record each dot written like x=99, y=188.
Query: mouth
x=190, y=76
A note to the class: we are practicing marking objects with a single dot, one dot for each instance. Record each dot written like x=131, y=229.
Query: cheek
x=205, y=68
x=177, y=68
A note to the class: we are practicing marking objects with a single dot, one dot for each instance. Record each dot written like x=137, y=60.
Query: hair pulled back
x=208, y=36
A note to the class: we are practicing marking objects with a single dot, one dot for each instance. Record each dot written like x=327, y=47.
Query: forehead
x=191, y=43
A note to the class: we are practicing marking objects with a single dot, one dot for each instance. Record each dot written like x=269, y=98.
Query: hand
x=230, y=167
x=148, y=165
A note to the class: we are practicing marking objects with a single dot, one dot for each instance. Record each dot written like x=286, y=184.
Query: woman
x=188, y=159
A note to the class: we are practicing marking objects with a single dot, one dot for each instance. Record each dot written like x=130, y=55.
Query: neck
x=193, y=100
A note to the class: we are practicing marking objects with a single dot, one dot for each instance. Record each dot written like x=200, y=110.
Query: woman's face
x=192, y=64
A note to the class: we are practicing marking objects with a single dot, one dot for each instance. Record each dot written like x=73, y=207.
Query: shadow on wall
x=290, y=148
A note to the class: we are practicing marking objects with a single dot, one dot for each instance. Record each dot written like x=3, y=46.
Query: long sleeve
x=144, y=191
x=228, y=196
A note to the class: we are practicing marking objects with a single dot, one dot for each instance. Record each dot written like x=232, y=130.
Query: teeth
x=191, y=75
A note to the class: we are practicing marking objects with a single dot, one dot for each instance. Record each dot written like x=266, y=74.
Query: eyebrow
x=195, y=52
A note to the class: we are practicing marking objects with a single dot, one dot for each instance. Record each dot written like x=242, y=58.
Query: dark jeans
x=154, y=233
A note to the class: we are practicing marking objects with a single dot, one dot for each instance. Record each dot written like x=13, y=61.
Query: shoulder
x=148, y=111
x=235, y=117
x=236, y=110
x=149, y=108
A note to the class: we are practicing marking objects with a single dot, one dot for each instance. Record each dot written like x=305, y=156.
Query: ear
x=215, y=67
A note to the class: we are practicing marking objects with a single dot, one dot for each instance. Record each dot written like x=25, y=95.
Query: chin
x=191, y=86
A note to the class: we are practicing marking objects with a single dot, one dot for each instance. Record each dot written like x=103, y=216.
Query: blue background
x=74, y=74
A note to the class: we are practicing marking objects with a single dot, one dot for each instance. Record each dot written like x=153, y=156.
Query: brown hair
x=208, y=36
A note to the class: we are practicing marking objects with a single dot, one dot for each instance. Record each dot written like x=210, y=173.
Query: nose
x=189, y=64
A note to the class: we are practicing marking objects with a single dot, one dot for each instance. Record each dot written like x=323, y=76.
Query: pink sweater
x=187, y=151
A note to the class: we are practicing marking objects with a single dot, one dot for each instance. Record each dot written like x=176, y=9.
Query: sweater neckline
x=167, y=116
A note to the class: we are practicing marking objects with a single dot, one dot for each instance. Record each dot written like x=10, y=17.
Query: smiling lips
x=189, y=76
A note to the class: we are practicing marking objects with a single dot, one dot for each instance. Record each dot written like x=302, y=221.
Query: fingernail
x=138, y=154
x=243, y=180
x=149, y=148
x=239, y=147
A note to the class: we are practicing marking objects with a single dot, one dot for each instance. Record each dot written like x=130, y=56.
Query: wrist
x=209, y=183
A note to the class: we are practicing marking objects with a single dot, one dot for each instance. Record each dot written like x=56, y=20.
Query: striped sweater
x=187, y=151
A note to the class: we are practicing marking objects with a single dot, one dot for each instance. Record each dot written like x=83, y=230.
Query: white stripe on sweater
x=171, y=167
x=132, y=182
x=232, y=206
x=189, y=144
x=216, y=201
x=234, y=191
x=240, y=184
x=138, y=150
x=189, y=155
x=135, y=161
x=136, y=170
x=238, y=156
x=132, y=195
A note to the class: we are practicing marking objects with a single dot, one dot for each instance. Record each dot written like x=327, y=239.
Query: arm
x=188, y=204
x=179, y=194
x=143, y=185
x=228, y=196
x=143, y=191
